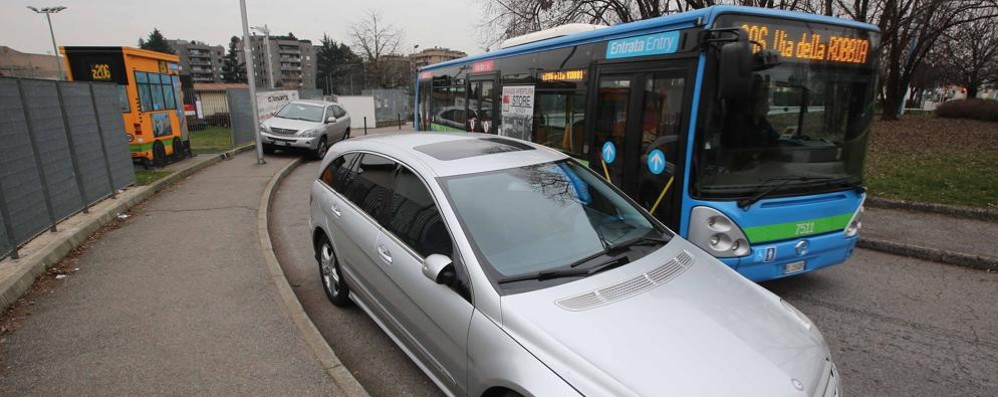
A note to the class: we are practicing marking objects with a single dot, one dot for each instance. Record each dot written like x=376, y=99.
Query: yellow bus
x=150, y=93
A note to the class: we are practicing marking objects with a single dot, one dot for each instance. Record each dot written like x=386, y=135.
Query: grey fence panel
x=241, y=115
x=53, y=148
x=22, y=187
x=390, y=105
x=115, y=137
x=86, y=140
x=309, y=93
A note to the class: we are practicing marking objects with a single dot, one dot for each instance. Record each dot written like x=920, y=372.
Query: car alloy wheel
x=329, y=269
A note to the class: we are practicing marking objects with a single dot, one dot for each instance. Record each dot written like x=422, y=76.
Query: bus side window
x=560, y=118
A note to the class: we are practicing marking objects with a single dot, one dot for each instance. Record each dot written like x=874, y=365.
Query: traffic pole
x=251, y=79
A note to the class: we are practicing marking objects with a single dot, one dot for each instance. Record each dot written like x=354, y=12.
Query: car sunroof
x=465, y=148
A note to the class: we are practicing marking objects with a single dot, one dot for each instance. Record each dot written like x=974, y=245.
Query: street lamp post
x=266, y=44
x=248, y=52
x=48, y=11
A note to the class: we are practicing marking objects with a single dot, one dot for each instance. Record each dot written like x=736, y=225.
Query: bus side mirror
x=735, y=80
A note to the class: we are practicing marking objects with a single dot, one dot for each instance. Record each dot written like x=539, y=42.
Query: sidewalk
x=973, y=240
x=176, y=301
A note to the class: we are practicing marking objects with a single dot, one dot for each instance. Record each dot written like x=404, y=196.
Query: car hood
x=704, y=330
x=288, y=124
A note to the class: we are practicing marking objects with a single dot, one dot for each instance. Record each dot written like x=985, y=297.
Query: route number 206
x=100, y=71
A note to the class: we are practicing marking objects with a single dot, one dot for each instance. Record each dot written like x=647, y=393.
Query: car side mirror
x=331, y=119
x=735, y=69
x=439, y=269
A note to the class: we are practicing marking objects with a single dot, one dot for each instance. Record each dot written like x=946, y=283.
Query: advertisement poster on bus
x=269, y=102
x=518, y=112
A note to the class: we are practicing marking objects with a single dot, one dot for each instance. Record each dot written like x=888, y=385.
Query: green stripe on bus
x=142, y=147
x=440, y=127
x=789, y=230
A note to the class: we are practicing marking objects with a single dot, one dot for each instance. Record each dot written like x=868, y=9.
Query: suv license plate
x=793, y=267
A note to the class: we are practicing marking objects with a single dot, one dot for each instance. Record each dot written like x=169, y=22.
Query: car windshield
x=300, y=111
x=806, y=120
x=542, y=217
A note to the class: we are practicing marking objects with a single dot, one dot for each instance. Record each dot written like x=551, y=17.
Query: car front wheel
x=320, y=149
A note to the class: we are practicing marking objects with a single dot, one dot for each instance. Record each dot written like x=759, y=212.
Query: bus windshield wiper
x=784, y=180
x=568, y=272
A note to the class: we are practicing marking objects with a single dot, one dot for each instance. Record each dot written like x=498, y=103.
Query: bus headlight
x=717, y=234
x=855, y=223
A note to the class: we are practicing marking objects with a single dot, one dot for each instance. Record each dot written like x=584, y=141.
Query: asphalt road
x=896, y=326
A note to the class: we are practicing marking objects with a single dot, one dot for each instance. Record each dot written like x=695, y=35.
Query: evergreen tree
x=155, y=42
x=233, y=71
x=335, y=65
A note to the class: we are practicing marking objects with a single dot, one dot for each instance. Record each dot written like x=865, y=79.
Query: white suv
x=306, y=124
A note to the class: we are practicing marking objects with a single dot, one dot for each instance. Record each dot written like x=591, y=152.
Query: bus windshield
x=804, y=128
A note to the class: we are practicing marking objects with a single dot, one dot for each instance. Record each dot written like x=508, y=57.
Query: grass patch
x=935, y=160
x=211, y=140
x=146, y=177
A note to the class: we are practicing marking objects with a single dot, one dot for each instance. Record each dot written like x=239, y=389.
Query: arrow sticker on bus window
x=609, y=152
x=656, y=162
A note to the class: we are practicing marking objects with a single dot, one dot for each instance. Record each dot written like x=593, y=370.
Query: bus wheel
x=178, y=149
x=158, y=154
x=146, y=163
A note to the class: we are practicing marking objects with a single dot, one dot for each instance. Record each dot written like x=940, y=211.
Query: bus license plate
x=793, y=267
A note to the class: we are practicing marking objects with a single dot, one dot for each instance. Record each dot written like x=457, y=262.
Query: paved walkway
x=177, y=301
x=943, y=232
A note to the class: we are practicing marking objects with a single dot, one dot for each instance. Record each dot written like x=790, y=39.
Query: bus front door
x=482, y=103
x=638, y=135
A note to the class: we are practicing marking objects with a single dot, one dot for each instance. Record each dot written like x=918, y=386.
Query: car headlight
x=264, y=128
x=307, y=133
x=717, y=234
x=856, y=222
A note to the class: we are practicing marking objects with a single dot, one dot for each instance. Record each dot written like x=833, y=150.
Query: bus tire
x=158, y=154
x=178, y=149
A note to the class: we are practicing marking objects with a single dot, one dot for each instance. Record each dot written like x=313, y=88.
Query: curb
x=327, y=358
x=952, y=210
x=930, y=254
x=21, y=273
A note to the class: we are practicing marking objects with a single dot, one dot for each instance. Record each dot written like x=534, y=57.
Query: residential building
x=14, y=63
x=203, y=62
x=434, y=55
x=293, y=62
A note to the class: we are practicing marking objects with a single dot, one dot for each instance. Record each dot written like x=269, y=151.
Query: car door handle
x=385, y=255
x=336, y=210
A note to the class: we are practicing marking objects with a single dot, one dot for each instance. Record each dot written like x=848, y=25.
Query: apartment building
x=434, y=55
x=203, y=62
x=292, y=62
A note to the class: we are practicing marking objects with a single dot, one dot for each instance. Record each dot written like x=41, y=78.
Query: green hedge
x=977, y=109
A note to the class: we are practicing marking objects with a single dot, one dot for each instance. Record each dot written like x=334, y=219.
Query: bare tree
x=970, y=55
x=374, y=39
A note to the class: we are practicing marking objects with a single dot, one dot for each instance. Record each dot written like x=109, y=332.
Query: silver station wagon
x=504, y=268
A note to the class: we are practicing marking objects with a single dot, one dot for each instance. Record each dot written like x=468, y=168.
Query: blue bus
x=744, y=129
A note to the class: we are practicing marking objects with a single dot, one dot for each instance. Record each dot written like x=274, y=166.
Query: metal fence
x=62, y=147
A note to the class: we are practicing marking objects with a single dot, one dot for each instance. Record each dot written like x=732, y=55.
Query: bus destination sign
x=563, y=75
x=796, y=43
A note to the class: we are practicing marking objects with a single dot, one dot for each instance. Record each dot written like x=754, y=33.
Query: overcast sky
x=428, y=23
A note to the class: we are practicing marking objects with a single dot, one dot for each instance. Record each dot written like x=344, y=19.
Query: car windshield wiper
x=568, y=272
x=784, y=180
x=643, y=240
